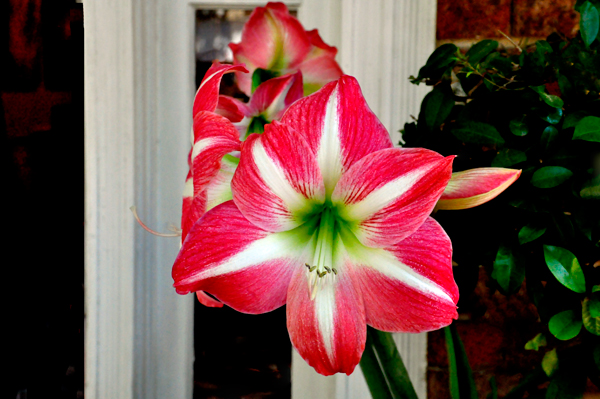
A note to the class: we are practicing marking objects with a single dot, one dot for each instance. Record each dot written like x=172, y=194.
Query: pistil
x=323, y=257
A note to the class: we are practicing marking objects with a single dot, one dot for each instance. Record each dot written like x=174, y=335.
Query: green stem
x=373, y=374
x=383, y=368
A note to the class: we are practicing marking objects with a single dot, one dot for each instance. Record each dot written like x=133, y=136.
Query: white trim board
x=139, y=85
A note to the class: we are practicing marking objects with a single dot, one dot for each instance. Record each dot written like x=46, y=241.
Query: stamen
x=148, y=229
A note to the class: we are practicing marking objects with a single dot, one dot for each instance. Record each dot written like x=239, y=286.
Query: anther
x=327, y=268
x=312, y=269
x=307, y=265
x=334, y=270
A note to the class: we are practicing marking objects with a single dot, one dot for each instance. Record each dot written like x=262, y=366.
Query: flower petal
x=277, y=184
x=272, y=97
x=271, y=39
x=339, y=127
x=207, y=95
x=388, y=194
x=232, y=108
x=474, y=187
x=407, y=287
x=328, y=331
x=242, y=265
x=207, y=301
x=193, y=206
x=319, y=67
x=215, y=136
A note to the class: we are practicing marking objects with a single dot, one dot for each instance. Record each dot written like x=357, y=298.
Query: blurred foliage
x=536, y=109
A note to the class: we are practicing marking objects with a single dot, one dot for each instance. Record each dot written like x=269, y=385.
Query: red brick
x=472, y=18
x=539, y=18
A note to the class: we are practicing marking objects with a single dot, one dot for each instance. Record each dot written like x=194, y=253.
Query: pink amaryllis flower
x=328, y=218
x=274, y=40
x=220, y=124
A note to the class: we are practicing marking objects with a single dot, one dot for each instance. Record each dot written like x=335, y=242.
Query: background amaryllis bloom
x=274, y=40
x=329, y=218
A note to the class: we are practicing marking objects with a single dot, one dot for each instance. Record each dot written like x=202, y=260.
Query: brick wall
x=41, y=132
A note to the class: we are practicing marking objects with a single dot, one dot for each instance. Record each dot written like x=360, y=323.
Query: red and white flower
x=220, y=124
x=328, y=218
x=274, y=40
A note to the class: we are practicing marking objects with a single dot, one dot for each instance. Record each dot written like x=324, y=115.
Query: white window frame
x=139, y=77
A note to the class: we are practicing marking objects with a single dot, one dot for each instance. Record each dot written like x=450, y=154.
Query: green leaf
x=596, y=288
x=550, y=176
x=369, y=364
x=518, y=127
x=573, y=119
x=543, y=46
x=437, y=105
x=589, y=24
x=438, y=61
x=565, y=267
x=565, y=325
x=568, y=383
x=591, y=189
x=530, y=232
x=477, y=133
x=550, y=99
x=260, y=76
x=549, y=135
x=508, y=271
x=536, y=342
x=564, y=85
x=462, y=384
x=391, y=363
x=550, y=362
x=508, y=157
x=588, y=129
x=481, y=49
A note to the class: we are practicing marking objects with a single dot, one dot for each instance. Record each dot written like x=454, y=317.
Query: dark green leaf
x=477, y=133
x=591, y=189
x=462, y=384
x=565, y=325
x=594, y=306
x=536, y=342
x=588, y=129
x=549, y=134
x=543, y=46
x=571, y=120
x=508, y=157
x=590, y=22
x=373, y=373
x=438, y=61
x=518, y=127
x=550, y=362
x=530, y=232
x=550, y=99
x=437, y=105
x=508, y=271
x=260, y=76
x=567, y=383
x=550, y=176
x=565, y=267
x=596, y=288
x=480, y=50
x=564, y=85
x=391, y=363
